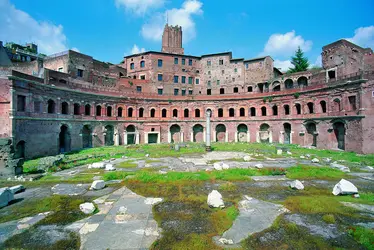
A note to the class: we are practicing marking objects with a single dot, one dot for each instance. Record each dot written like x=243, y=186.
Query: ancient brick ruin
x=71, y=101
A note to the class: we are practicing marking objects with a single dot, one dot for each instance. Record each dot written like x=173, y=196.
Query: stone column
x=207, y=139
x=281, y=137
x=145, y=137
x=204, y=135
x=93, y=109
x=291, y=136
x=137, y=138
x=270, y=137
x=236, y=136
x=191, y=139
x=58, y=106
x=227, y=136
x=214, y=135
x=116, y=138
x=182, y=137
x=248, y=137
x=13, y=107
x=159, y=138
x=258, y=136
x=124, y=138
x=169, y=136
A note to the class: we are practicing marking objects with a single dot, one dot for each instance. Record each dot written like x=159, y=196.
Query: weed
x=363, y=235
x=329, y=218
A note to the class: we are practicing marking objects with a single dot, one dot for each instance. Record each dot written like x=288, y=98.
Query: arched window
x=109, y=111
x=141, y=112
x=164, y=113
x=310, y=107
x=51, y=107
x=298, y=108
x=87, y=109
x=263, y=111
x=119, y=111
x=323, y=106
x=275, y=110
x=277, y=88
x=64, y=108
x=220, y=112
x=231, y=112
x=288, y=84
x=197, y=112
x=98, y=110
x=253, y=111
x=175, y=112
x=242, y=112
x=142, y=64
x=336, y=104
x=286, y=109
x=302, y=81
x=129, y=112
x=222, y=91
x=186, y=113
x=153, y=113
x=77, y=108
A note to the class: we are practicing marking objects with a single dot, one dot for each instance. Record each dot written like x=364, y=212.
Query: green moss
x=316, y=204
x=228, y=186
x=329, y=218
x=126, y=164
x=363, y=235
x=310, y=172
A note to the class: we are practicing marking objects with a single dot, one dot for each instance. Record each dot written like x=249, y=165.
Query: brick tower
x=172, y=40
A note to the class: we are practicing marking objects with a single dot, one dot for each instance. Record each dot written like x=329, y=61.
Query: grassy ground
x=310, y=172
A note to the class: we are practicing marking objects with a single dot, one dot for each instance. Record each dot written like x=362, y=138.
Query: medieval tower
x=172, y=40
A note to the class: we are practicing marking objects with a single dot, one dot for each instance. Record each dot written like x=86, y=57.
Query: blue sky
x=110, y=29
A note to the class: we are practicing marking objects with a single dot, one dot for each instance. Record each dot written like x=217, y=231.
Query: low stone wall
x=9, y=166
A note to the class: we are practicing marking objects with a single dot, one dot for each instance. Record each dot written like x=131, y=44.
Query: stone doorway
x=339, y=130
x=130, y=134
x=152, y=138
x=198, y=133
x=242, y=133
x=287, y=133
x=64, y=139
x=221, y=133
x=312, y=131
x=264, y=133
x=109, y=135
x=86, y=137
x=175, y=132
x=20, y=150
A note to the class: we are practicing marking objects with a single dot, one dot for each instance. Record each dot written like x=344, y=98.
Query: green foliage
x=316, y=204
x=267, y=98
x=329, y=218
x=228, y=186
x=311, y=172
x=364, y=236
x=296, y=95
x=299, y=61
x=126, y=164
x=131, y=83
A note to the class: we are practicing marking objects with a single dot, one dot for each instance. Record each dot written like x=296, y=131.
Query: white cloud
x=139, y=7
x=136, y=50
x=285, y=44
x=18, y=26
x=75, y=49
x=152, y=30
x=283, y=65
x=364, y=36
x=318, y=62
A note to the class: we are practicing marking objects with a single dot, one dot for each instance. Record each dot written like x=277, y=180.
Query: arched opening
x=220, y=112
x=197, y=112
x=141, y=112
x=288, y=84
x=87, y=109
x=277, y=88
x=242, y=112
x=51, y=107
x=175, y=112
x=186, y=113
x=164, y=113
x=153, y=113
x=339, y=131
x=109, y=111
x=298, y=108
x=20, y=150
x=231, y=112
x=302, y=81
x=198, y=133
x=209, y=111
x=109, y=135
x=220, y=133
x=263, y=111
x=312, y=134
x=336, y=105
x=64, y=108
x=242, y=131
x=119, y=111
x=323, y=106
x=287, y=133
x=86, y=137
x=77, y=109
x=64, y=139
x=175, y=133
x=310, y=107
x=275, y=110
x=253, y=111
x=131, y=133
x=286, y=109
x=98, y=110
x=264, y=133
x=129, y=112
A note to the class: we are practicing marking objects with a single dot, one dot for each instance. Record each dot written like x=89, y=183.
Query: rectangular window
x=352, y=102
x=190, y=92
x=176, y=91
x=21, y=103
x=183, y=61
x=332, y=74
x=175, y=60
x=218, y=82
x=138, y=89
x=190, y=80
x=159, y=77
x=132, y=66
x=142, y=77
x=80, y=73
x=160, y=91
x=183, y=79
x=208, y=91
x=197, y=81
x=159, y=63
x=208, y=63
x=221, y=62
x=176, y=79
x=250, y=89
x=190, y=62
x=142, y=64
x=183, y=92
x=209, y=83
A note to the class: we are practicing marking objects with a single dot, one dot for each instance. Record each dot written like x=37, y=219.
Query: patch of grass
x=228, y=186
x=329, y=218
x=316, y=204
x=363, y=235
x=190, y=241
x=365, y=198
x=126, y=164
x=117, y=175
x=223, y=219
x=310, y=172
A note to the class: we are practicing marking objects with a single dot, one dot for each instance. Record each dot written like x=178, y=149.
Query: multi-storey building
x=77, y=102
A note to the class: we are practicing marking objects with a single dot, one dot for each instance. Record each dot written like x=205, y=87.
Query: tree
x=299, y=61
